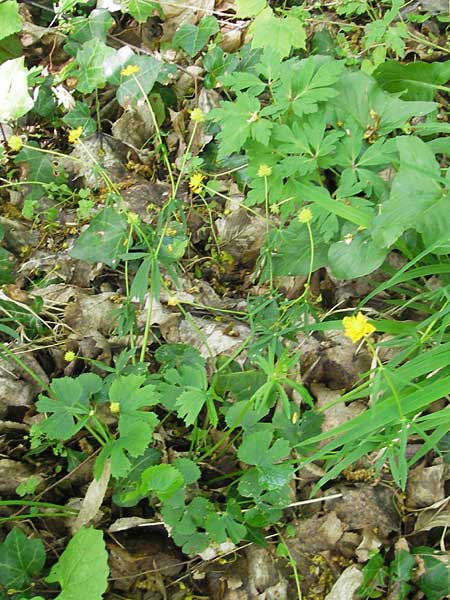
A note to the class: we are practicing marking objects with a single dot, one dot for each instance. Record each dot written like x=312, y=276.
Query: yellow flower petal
x=264, y=171
x=358, y=327
x=75, y=134
x=196, y=182
x=130, y=70
x=305, y=215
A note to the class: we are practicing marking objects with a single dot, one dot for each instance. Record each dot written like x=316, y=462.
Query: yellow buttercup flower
x=358, y=327
x=69, y=356
x=264, y=171
x=114, y=407
x=75, y=134
x=197, y=115
x=196, y=182
x=305, y=215
x=15, y=143
x=172, y=301
x=130, y=70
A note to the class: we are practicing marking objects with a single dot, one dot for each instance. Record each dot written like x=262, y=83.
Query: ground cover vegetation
x=225, y=299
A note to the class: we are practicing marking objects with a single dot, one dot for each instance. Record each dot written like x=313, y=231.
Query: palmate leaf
x=281, y=34
x=82, y=569
x=256, y=449
x=20, y=559
x=240, y=120
x=69, y=404
x=135, y=426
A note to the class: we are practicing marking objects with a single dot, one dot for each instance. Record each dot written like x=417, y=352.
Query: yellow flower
x=114, y=407
x=69, y=356
x=130, y=70
x=197, y=115
x=15, y=143
x=264, y=171
x=357, y=327
x=75, y=134
x=196, y=182
x=133, y=218
x=172, y=301
x=305, y=215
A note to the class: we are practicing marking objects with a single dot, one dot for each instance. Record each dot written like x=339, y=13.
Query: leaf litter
x=81, y=294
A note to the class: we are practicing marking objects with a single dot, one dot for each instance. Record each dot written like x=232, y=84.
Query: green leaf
x=103, y=240
x=82, y=566
x=189, y=404
x=192, y=38
x=355, y=256
x=293, y=251
x=249, y=8
x=134, y=87
x=256, y=449
x=141, y=10
x=412, y=81
x=415, y=189
x=80, y=116
x=68, y=406
x=281, y=34
x=135, y=425
x=20, y=559
x=435, y=583
x=127, y=491
x=95, y=26
x=162, y=480
x=239, y=121
x=360, y=94
x=15, y=101
x=90, y=58
x=10, y=21
x=187, y=467
x=304, y=84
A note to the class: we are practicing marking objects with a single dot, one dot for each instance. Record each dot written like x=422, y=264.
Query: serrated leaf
x=103, y=240
x=192, y=38
x=20, y=559
x=187, y=467
x=82, y=566
x=189, y=404
x=68, y=406
x=256, y=449
x=236, y=119
x=15, y=101
x=90, y=58
x=162, y=480
x=281, y=34
x=10, y=21
x=135, y=425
